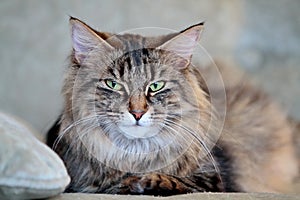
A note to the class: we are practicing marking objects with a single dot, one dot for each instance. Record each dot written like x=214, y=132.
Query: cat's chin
x=138, y=132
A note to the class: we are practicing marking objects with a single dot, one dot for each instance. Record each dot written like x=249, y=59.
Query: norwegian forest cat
x=140, y=118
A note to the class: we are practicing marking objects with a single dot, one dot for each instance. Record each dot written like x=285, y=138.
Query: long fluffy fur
x=254, y=152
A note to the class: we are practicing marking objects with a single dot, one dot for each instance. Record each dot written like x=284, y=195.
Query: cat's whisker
x=210, y=156
x=74, y=124
x=67, y=129
x=79, y=137
x=211, y=125
x=84, y=133
x=202, y=143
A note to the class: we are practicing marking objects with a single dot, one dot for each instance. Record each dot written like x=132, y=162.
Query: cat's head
x=142, y=91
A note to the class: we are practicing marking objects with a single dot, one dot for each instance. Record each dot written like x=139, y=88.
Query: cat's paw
x=132, y=185
x=153, y=184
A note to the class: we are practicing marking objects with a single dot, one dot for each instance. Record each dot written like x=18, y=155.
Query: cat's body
x=139, y=119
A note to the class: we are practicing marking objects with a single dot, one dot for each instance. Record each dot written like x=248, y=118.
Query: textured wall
x=262, y=36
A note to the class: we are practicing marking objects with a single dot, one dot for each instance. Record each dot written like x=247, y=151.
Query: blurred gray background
x=263, y=37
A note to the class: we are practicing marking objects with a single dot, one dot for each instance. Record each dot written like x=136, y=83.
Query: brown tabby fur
x=254, y=153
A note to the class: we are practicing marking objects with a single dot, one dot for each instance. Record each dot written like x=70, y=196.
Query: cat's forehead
x=129, y=42
x=136, y=65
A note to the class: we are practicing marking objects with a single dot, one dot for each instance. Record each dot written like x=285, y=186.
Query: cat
x=140, y=117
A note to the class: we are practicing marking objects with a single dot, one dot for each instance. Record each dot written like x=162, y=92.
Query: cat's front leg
x=153, y=184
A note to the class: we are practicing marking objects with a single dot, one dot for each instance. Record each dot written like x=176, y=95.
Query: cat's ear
x=184, y=43
x=85, y=39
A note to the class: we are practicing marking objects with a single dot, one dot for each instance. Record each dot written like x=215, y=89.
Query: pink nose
x=137, y=114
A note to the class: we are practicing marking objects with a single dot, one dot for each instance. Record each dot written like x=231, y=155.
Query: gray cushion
x=28, y=168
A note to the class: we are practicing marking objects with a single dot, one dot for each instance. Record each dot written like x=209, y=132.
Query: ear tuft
x=85, y=39
x=184, y=43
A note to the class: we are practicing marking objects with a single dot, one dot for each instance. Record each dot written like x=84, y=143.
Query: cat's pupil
x=113, y=84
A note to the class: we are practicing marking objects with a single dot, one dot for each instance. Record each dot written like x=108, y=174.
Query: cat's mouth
x=138, y=131
x=137, y=123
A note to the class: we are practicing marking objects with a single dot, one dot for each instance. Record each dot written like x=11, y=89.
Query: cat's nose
x=138, y=105
x=137, y=114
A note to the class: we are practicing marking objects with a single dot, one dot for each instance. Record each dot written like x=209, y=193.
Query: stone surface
x=199, y=196
x=261, y=36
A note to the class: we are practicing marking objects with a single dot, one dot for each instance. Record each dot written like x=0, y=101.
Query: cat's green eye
x=156, y=86
x=113, y=84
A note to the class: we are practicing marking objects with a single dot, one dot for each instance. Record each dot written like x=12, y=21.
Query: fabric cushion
x=28, y=168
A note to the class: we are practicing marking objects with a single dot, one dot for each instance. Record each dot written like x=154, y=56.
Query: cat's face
x=135, y=97
x=141, y=91
x=136, y=103
x=137, y=86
